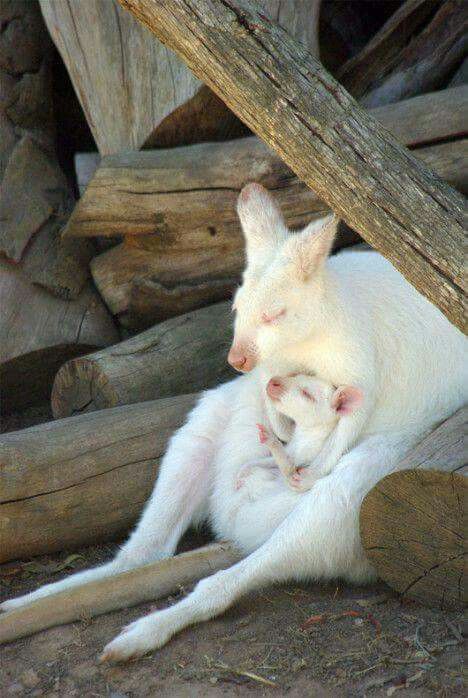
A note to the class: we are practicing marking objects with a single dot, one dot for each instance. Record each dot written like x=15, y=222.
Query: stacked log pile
x=154, y=245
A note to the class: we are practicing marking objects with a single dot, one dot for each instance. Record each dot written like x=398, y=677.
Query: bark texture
x=148, y=583
x=82, y=480
x=412, y=521
x=184, y=354
x=35, y=197
x=39, y=332
x=352, y=163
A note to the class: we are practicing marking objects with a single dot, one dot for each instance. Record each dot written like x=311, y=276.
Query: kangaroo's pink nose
x=275, y=388
x=241, y=360
x=237, y=359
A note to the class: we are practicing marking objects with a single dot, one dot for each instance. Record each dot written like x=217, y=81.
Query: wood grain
x=148, y=583
x=39, y=332
x=412, y=521
x=183, y=354
x=81, y=480
x=383, y=51
x=427, y=61
x=352, y=163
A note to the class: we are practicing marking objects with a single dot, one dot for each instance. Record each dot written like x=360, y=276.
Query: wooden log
x=352, y=163
x=39, y=332
x=427, y=62
x=411, y=522
x=133, y=91
x=139, y=279
x=81, y=480
x=179, y=216
x=380, y=55
x=423, y=558
x=34, y=193
x=148, y=583
x=189, y=188
x=450, y=161
x=151, y=302
x=184, y=354
x=461, y=75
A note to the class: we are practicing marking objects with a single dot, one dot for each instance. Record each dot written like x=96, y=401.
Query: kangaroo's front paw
x=137, y=639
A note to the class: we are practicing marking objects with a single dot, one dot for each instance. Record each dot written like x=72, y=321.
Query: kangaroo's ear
x=308, y=250
x=263, y=225
x=346, y=399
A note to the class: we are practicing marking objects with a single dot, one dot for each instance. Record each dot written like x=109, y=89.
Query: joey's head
x=280, y=300
x=310, y=401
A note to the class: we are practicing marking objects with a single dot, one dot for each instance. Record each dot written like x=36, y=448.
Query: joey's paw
x=301, y=480
x=263, y=433
x=136, y=640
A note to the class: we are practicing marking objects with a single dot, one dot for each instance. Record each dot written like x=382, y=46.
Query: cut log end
x=80, y=386
x=412, y=531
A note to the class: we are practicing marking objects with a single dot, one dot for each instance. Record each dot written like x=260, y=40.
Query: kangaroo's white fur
x=353, y=320
x=314, y=406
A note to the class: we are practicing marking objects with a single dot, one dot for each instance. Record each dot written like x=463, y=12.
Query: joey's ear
x=309, y=249
x=346, y=399
x=262, y=222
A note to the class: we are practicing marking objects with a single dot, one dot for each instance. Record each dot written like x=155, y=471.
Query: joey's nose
x=275, y=388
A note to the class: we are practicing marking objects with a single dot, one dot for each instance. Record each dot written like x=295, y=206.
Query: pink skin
x=265, y=435
x=240, y=359
x=275, y=388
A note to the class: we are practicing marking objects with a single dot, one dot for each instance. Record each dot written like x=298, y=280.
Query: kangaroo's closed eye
x=270, y=318
x=307, y=395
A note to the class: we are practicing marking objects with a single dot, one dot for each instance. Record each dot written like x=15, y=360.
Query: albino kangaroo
x=354, y=320
x=315, y=406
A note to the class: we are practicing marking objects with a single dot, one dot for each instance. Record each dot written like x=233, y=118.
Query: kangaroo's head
x=280, y=299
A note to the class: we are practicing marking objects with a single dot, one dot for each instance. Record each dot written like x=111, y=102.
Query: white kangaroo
x=354, y=320
x=314, y=406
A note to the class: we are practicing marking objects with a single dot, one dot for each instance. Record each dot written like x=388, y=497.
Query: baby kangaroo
x=315, y=406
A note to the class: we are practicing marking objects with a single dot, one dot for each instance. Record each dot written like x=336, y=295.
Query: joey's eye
x=307, y=395
x=269, y=319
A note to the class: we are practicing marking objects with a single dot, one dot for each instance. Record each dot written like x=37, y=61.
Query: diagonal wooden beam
x=287, y=97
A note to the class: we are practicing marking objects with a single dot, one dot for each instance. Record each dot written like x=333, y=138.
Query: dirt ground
x=359, y=642
x=259, y=647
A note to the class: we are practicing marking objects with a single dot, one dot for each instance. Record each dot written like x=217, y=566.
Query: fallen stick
x=123, y=590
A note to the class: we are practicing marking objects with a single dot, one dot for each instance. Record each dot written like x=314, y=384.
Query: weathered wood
x=34, y=193
x=133, y=91
x=427, y=119
x=140, y=278
x=184, y=354
x=151, y=301
x=81, y=480
x=148, y=583
x=127, y=84
x=380, y=55
x=424, y=557
x=450, y=161
x=39, y=332
x=411, y=522
x=196, y=187
x=427, y=62
x=286, y=96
